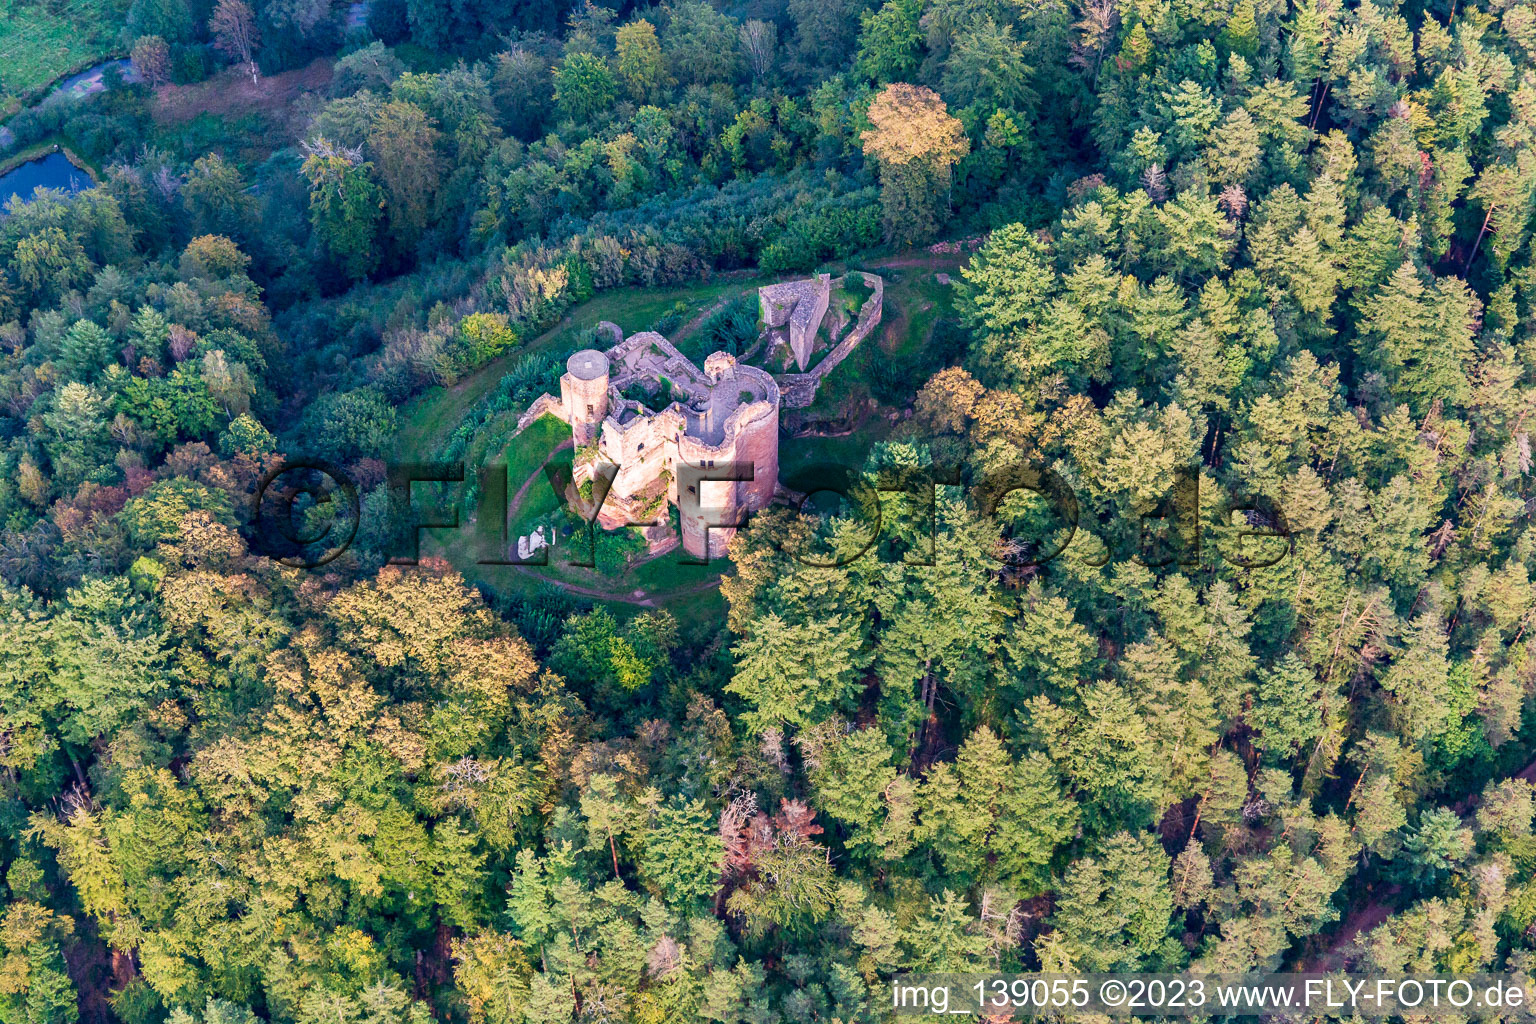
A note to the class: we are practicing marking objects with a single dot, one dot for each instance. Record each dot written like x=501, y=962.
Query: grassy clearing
x=540, y=499
x=795, y=454
x=522, y=457
x=638, y=309
x=427, y=420
x=671, y=572
x=699, y=615
x=529, y=449
x=915, y=302
x=42, y=42
x=244, y=140
x=230, y=93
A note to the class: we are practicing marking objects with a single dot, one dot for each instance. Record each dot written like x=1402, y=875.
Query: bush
x=190, y=64
x=652, y=400
x=612, y=549
x=811, y=240
x=732, y=329
x=482, y=337
x=672, y=319
x=530, y=377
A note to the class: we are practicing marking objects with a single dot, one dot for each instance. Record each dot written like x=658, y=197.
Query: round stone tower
x=584, y=394
x=720, y=366
x=750, y=435
x=757, y=438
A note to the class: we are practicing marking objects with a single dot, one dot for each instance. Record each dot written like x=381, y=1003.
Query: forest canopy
x=1274, y=248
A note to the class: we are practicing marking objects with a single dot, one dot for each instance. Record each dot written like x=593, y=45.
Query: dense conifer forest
x=1273, y=253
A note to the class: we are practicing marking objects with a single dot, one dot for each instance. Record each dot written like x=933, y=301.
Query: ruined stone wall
x=799, y=389
x=642, y=449
x=757, y=442
x=775, y=303
x=807, y=319
x=545, y=405
x=798, y=307
x=646, y=445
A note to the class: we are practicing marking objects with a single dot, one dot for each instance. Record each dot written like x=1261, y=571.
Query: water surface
x=51, y=171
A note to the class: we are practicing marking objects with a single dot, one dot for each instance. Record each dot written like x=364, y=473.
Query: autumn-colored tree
x=151, y=58
x=916, y=143
x=641, y=63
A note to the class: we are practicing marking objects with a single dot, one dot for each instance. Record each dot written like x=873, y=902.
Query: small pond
x=51, y=171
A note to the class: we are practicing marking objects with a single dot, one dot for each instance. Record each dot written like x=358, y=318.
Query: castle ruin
x=793, y=312
x=727, y=412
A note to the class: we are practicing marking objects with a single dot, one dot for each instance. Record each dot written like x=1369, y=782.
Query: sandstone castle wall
x=726, y=412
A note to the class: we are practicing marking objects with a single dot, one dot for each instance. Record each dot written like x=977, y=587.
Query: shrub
x=482, y=337
x=732, y=329
x=530, y=377
x=672, y=319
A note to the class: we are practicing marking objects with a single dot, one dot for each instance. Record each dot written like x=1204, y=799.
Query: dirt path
x=635, y=597
x=935, y=261
x=688, y=328
x=89, y=82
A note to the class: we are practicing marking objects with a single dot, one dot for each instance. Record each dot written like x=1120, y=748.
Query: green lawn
x=850, y=296
x=528, y=450
x=38, y=45
x=427, y=420
x=244, y=139
x=690, y=592
x=912, y=306
x=524, y=456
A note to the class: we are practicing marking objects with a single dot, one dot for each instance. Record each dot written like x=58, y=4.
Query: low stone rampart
x=799, y=389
